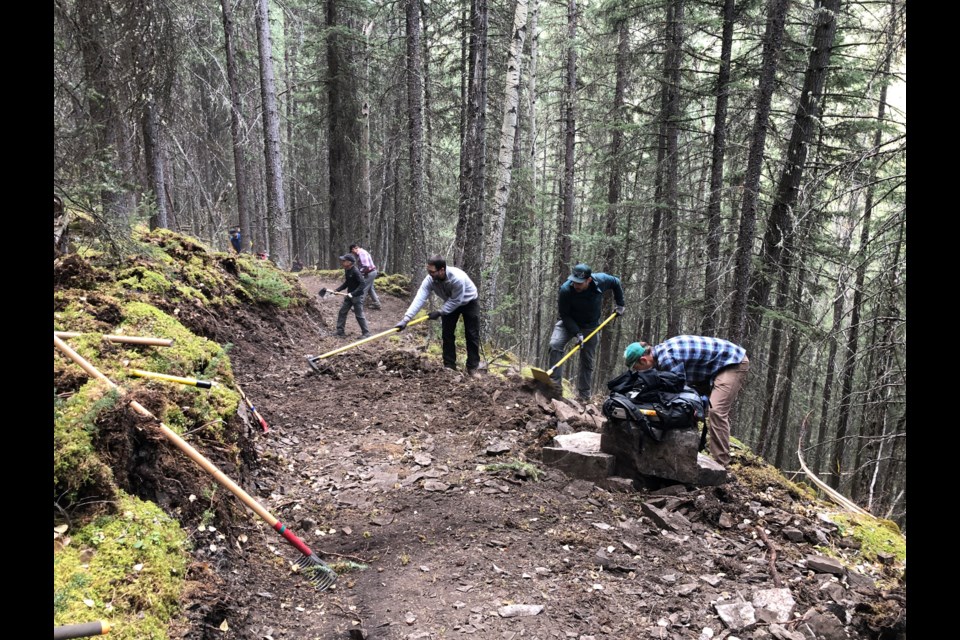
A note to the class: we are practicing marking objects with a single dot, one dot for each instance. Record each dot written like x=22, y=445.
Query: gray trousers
x=357, y=304
x=588, y=352
x=368, y=289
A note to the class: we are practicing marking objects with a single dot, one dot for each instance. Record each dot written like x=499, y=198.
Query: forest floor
x=423, y=487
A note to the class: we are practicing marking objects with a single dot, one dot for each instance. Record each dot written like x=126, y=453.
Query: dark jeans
x=558, y=340
x=357, y=304
x=471, y=330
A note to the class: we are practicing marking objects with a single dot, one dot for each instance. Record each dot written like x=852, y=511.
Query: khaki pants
x=726, y=386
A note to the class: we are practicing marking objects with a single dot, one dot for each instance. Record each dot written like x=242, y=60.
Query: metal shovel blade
x=542, y=376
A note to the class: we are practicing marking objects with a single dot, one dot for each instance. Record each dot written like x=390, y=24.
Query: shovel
x=193, y=382
x=317, y=571
x=544, y=376
x=157, y=342
x=313, y=360
x=82, y=630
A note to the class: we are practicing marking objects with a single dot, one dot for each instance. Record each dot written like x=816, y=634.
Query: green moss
x=396, y=284
x=757, y=474
x=524, y=469
x=265, y=284
x=127, y=568
x=142, y=279
x=875, y=536
x=76, y=467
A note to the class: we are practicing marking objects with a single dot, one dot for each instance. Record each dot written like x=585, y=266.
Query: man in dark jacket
x=578, y=304
x=355, y=284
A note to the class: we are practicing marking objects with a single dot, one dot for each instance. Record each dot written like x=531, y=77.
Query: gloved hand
x=322, y=292
x=433, y=315
x=579, y=339
x=401, y=325
x=619, y=310
x=349, y=296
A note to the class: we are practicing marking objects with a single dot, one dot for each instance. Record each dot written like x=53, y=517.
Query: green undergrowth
x=876, y=536
x=165, y=284
x=126, y=568
x=515, y=467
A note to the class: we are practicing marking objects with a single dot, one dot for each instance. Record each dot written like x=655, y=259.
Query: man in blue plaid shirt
x=713, y=363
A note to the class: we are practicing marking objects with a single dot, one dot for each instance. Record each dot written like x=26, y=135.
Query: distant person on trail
x=709, y=365
x=354, y=284
x=369, y=272
x=578, y=304
x=235, y=239
x=459, y=296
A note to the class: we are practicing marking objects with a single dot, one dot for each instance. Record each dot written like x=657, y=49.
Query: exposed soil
x=375, y=462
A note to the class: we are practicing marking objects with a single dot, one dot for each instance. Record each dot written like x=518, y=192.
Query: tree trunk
x=778, y=240
x=346, y=200
x=671, y=132
x=615, y=183
x=564, y=255
x=469, y=239
x=713, y=274
x=415, y=105
x=278, y=224
x=153, y=153
x=501, y=194
x=772, y=46
x=236, y=128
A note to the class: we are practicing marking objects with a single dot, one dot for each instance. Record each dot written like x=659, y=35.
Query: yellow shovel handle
x=572, y=351
x=365, y=340
x=203, y=384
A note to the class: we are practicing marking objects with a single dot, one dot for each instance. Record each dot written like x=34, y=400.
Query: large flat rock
x=675, y=457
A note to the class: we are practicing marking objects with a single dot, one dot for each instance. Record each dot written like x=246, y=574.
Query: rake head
x=317, y=571
x=312, y=361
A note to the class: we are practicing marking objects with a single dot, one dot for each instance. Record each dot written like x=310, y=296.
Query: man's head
x=437, y=268
x=355, y=249
x=638, y=356
x=347, y=260
x=581, y=276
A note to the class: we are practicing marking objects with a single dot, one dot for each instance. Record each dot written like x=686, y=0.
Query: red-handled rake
x=316, y=570
x=253, y=410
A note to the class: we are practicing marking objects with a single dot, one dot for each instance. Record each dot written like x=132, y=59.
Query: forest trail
x=424, y=488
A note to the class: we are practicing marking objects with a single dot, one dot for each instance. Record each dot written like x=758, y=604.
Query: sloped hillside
x=420, y=486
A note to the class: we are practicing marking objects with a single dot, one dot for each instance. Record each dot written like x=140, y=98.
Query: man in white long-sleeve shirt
x=459, y=296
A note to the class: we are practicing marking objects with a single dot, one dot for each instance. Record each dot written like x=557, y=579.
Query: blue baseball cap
x=580, y=273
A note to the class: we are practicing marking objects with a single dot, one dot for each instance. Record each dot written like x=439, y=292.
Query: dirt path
x=379, y=462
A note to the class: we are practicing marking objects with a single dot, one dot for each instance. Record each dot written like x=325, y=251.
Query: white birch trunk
x=508, y=132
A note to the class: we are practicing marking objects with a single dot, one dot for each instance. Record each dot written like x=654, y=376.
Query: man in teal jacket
x=578, y=304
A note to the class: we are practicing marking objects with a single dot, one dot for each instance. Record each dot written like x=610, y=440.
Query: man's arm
x=422, y=294
x=563, y=309
x=613, y=283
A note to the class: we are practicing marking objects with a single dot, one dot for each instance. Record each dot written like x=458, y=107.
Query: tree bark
x=564, y=253
x=236, y=128
x=469, y=239
x=278, y=222
x=772, y=46
x=501, y=194
x=779, y=240
x=346, y=200
x=415, y=106
x=713, y=273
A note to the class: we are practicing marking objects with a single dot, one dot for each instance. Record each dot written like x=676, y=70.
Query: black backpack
x=656, y=401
